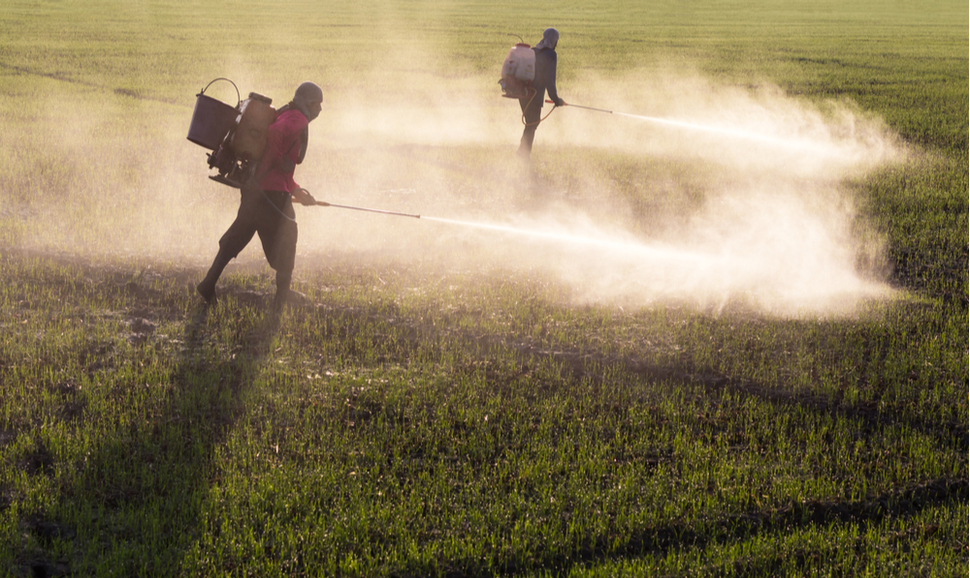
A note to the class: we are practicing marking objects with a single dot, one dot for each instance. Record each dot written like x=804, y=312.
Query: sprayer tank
x=255, y=116
x=520, y=63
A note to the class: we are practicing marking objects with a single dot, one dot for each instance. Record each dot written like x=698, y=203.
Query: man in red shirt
x=266, y=205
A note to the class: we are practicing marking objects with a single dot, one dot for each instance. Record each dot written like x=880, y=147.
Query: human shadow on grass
x=144, y=490
x=135, y=503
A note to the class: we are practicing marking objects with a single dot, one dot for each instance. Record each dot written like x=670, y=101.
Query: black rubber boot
x=207, y=288
x=282, y=290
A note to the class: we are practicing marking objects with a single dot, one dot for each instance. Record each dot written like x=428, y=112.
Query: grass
x=411, y=420
x=378, y=435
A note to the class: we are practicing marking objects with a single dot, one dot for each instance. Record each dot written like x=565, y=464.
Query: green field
x=658, y=350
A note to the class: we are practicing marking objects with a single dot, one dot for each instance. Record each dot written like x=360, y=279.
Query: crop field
x=717, y=326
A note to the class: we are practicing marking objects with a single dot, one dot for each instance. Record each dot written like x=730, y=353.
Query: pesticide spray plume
x=725, y=131
x=567, y=238
x=554, y=236
x=563, y=237
x=614, y=212
x=769, y=225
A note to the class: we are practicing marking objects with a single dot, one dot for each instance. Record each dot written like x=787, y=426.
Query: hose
x=536, y=123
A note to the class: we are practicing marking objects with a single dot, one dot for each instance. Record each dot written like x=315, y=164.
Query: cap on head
x=308, y=92
x=550, y=37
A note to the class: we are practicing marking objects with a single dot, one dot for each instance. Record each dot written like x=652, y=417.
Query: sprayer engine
x=518, y=72
x=235, y=135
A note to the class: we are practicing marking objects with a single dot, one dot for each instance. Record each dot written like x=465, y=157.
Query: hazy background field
x=672, y=351
x=102, y=94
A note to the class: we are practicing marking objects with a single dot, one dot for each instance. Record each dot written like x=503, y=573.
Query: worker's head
x=309, y=99
x=550, y=38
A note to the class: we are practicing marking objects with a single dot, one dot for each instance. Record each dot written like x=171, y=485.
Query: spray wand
x=586, y=107
x=326, y=204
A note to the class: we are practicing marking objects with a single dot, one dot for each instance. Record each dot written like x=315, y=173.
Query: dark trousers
x=270, y=216
x=532, y=112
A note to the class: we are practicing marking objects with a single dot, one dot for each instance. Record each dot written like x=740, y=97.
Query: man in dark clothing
x=545, y=80
x=266, y=205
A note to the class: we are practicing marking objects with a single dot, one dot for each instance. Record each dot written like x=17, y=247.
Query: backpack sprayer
x=235, y=135
x=518, y=72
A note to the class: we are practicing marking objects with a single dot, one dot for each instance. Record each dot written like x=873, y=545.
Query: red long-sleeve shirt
x=282, y=154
